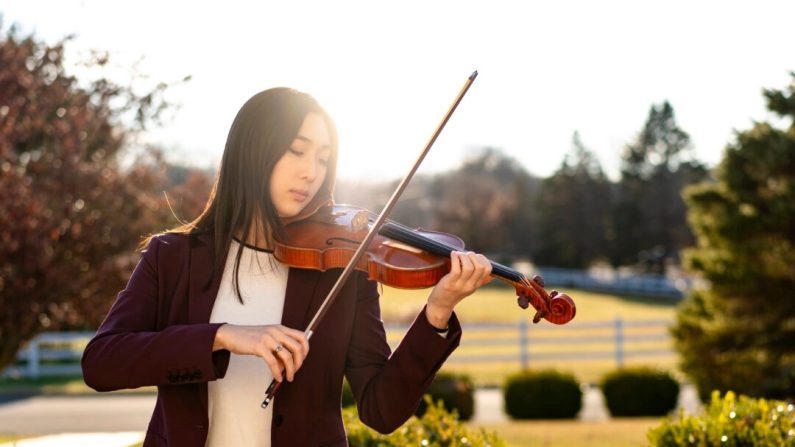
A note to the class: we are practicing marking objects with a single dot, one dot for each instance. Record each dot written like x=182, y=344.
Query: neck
x=255, y=238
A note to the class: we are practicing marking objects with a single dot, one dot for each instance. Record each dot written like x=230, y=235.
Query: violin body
x=329, y=238
x=399, y=256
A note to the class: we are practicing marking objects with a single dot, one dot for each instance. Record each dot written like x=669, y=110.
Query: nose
x=310, y=169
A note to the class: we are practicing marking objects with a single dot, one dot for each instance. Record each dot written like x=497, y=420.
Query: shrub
x=730, y=421
x=640, y=392
x=347, y=395
x=545, y=394
x=456, y=392
x=436, y=428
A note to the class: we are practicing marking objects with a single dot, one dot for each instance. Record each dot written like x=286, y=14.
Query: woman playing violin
x=210, y=317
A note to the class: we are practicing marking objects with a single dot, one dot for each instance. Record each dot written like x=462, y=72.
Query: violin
x=400, y=256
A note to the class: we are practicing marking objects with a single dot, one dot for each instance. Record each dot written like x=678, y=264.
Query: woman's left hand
x=468, y=271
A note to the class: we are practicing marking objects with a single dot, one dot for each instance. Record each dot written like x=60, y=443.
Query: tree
x=484, y=202
x=649, y=217
x=574, y=211
x=70, y=217
x=740, y=333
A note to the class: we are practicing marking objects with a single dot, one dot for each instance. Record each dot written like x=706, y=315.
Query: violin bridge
x=360, y=222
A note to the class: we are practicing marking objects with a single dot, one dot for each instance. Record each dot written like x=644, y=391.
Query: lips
x=299, y=195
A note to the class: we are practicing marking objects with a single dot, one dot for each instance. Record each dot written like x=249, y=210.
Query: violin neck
x=402, y=233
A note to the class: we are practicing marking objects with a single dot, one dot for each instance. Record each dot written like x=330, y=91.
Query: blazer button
x=278, y=419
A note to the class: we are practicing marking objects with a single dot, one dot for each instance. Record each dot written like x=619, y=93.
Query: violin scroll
x=557, y=308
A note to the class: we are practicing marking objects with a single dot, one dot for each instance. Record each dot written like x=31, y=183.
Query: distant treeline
x=575, y=217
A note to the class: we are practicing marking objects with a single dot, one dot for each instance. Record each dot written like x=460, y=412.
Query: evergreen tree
x=574, y=210
x=739, y=334
x=649, y=217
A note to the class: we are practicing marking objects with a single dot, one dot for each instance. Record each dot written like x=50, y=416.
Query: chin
x=288, y=212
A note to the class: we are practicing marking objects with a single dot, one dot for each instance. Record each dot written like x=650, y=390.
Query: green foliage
x=347, y=395
x=574, y=211
x=730, y=421
x=639, y=392
x=739, y=334
x=455, y=391
x=546, y=394
x=650, y=222
x=437, y=428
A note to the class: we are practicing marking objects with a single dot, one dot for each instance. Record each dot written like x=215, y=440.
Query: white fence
x=50, y=354
x=525, y=343
x=58, y=353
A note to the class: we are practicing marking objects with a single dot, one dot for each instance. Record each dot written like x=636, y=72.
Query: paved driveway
x=111, y=412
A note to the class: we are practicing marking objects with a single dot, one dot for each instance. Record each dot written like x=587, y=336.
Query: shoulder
x=169, y=245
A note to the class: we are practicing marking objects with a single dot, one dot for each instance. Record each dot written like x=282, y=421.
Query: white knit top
x=234, y=401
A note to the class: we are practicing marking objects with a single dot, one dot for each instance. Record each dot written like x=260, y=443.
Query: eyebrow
x=309, y=140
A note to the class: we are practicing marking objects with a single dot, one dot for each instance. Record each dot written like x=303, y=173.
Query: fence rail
x=525, y=343
x=58, y=353
x=50, y=354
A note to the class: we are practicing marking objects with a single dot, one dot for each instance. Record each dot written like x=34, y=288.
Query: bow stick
x=334, y=292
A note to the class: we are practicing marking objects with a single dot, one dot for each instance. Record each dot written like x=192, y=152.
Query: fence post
x=619, y=326
x=524, y=344
x=33, y=359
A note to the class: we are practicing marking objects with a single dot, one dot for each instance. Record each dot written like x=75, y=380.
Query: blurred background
x=639, y=156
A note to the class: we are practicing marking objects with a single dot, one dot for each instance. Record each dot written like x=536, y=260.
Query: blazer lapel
x=202, y=290
x=299, y=297
x=203, y=287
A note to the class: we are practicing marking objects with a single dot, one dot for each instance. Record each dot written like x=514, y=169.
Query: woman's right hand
x=282, y=348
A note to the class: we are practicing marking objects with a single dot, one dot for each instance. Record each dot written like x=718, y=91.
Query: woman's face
x=300, y=172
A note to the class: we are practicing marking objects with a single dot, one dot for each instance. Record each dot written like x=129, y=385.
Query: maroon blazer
x=158, y=333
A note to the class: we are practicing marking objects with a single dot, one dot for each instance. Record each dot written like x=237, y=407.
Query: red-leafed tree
x=70, y=216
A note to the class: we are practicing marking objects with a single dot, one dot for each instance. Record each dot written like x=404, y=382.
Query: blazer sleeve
x=388, y=386
x=129, y=351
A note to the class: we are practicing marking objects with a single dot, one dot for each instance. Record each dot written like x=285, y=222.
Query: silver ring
x=279, y=348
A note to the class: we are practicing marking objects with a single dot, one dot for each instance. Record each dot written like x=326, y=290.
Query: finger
x=485, y=269
x=287, y=360
x=300, y=337
x=467, y=268
x=455, y=265
x=274, y=366
x=481, y=268
x=294, y=354
x=291, y=345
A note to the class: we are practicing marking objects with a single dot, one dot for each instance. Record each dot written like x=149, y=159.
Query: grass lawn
x=630, y=432
x=497, y=303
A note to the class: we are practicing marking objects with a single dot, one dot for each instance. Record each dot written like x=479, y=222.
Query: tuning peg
x=538, y=280
x=523, y=302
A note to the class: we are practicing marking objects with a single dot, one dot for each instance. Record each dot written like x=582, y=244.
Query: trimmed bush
x=547, y=394
x=436, y=428
x=640, y=392
x=456, y=392
x=730, y=421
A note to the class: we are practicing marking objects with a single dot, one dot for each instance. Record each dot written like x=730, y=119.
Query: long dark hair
x=261, y=133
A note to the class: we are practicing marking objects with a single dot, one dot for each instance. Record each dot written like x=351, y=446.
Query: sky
x=388, y=71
